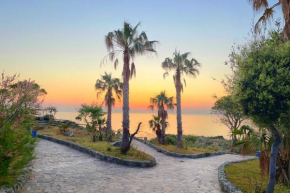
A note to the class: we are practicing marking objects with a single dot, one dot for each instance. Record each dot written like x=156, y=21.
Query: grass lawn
x=184, y=150
x=83, y=138
x=246, y=176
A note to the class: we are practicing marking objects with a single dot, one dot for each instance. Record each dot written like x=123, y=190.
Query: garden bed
x=100, y=149
x=244, y=176
x=196, y=155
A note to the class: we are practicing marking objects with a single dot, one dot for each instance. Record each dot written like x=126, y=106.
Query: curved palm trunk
x=286, y=13
x=126, y=120
x=178, y=111
x=273, y=158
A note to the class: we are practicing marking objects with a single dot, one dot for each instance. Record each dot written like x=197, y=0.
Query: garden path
x=59, y=168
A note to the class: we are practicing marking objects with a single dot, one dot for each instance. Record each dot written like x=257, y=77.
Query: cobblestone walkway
x=58, y=168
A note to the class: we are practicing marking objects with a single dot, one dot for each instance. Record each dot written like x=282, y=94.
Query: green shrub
x=16, y=151
x=169, y=140
x=190, y=138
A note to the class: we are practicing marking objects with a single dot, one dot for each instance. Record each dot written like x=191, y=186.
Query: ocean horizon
x=193, y=124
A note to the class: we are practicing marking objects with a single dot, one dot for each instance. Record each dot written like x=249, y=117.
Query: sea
x=193, y=124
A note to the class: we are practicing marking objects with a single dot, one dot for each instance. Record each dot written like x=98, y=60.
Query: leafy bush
x=170, y=140
x=47, y=117
x=19, y=101
x=63, y=128
x=190, y=138
x=16, y=151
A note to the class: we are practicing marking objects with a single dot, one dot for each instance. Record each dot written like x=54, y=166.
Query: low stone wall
x=225, y=184
x=101, y=156
x=191, y=156
x=18, y=185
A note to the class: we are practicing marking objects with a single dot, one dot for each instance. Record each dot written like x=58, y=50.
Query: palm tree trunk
x=286, y=14
x=126, y=119
x=162, y=138
x=178, y=111
x=109, y=117
x=273, y=158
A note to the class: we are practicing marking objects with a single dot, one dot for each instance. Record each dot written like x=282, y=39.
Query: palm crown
x=128, y=41
x=181, y=64
x=109, y=85
x=160, y=101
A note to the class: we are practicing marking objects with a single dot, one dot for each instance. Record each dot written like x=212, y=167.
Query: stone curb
x=225, y=184
x=18, y=185
x=191, y=156
x=101, y=156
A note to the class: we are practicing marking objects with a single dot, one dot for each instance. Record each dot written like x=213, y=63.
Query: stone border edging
x=101, y=156
x=225, y=184
x=20, y=182
x=191, y=156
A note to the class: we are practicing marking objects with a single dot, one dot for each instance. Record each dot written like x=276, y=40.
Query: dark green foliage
x=47, y=117
x=190, y=138
x=63, y=128
x=263, y=80
x=170, y=140
x=16, y=151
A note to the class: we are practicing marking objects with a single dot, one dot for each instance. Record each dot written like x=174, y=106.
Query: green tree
x=155, y=125
x=262, y=87
x=92, y=115
x=180, y=64
x=263, y=5
x=111, y=86
x=19, y=103
x=229, y=113
x=130, y=43
x=162, y=102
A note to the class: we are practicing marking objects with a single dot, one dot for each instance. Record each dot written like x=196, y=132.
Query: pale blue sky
x=61, y=42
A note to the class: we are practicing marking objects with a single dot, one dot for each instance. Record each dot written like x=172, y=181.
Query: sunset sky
x=60, y=44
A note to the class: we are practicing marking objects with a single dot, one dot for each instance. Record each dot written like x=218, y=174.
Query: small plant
x=63, y=128
x=169, y=140
x=190, y=138
x=109, y=149
x=110, y=136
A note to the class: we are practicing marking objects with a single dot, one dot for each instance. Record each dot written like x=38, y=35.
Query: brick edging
x=101, y=156
x=225, y=184
x=191, y=156
x=20, y=182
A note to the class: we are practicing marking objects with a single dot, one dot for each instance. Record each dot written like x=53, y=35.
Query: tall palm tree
x=155, y=125
x=180, y=64
x=263, y=5
x=129, y=42
x=161, y=101
x=111, y=86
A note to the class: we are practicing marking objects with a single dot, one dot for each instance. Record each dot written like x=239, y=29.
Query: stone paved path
x=58, y=168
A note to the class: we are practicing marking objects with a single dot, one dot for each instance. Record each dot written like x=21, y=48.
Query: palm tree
x=111, y=86
x=263, y=5
x=161, y=101
x=129, y=42
x=155, y=125
x=181, y=65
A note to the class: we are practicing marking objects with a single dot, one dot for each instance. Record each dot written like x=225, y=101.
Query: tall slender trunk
x=126, y=120
x=178, y=111
x=162, y=138
x=109, y=115
x=286, y=14
x=273, y=158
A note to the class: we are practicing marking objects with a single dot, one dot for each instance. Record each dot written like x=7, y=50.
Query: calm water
x=201, y=125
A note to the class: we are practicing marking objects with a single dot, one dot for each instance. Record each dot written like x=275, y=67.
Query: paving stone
x=58, y=168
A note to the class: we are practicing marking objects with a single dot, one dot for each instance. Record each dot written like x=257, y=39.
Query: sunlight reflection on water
x=200, y=125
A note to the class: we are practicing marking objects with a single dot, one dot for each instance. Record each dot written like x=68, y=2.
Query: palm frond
x=133, y=70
